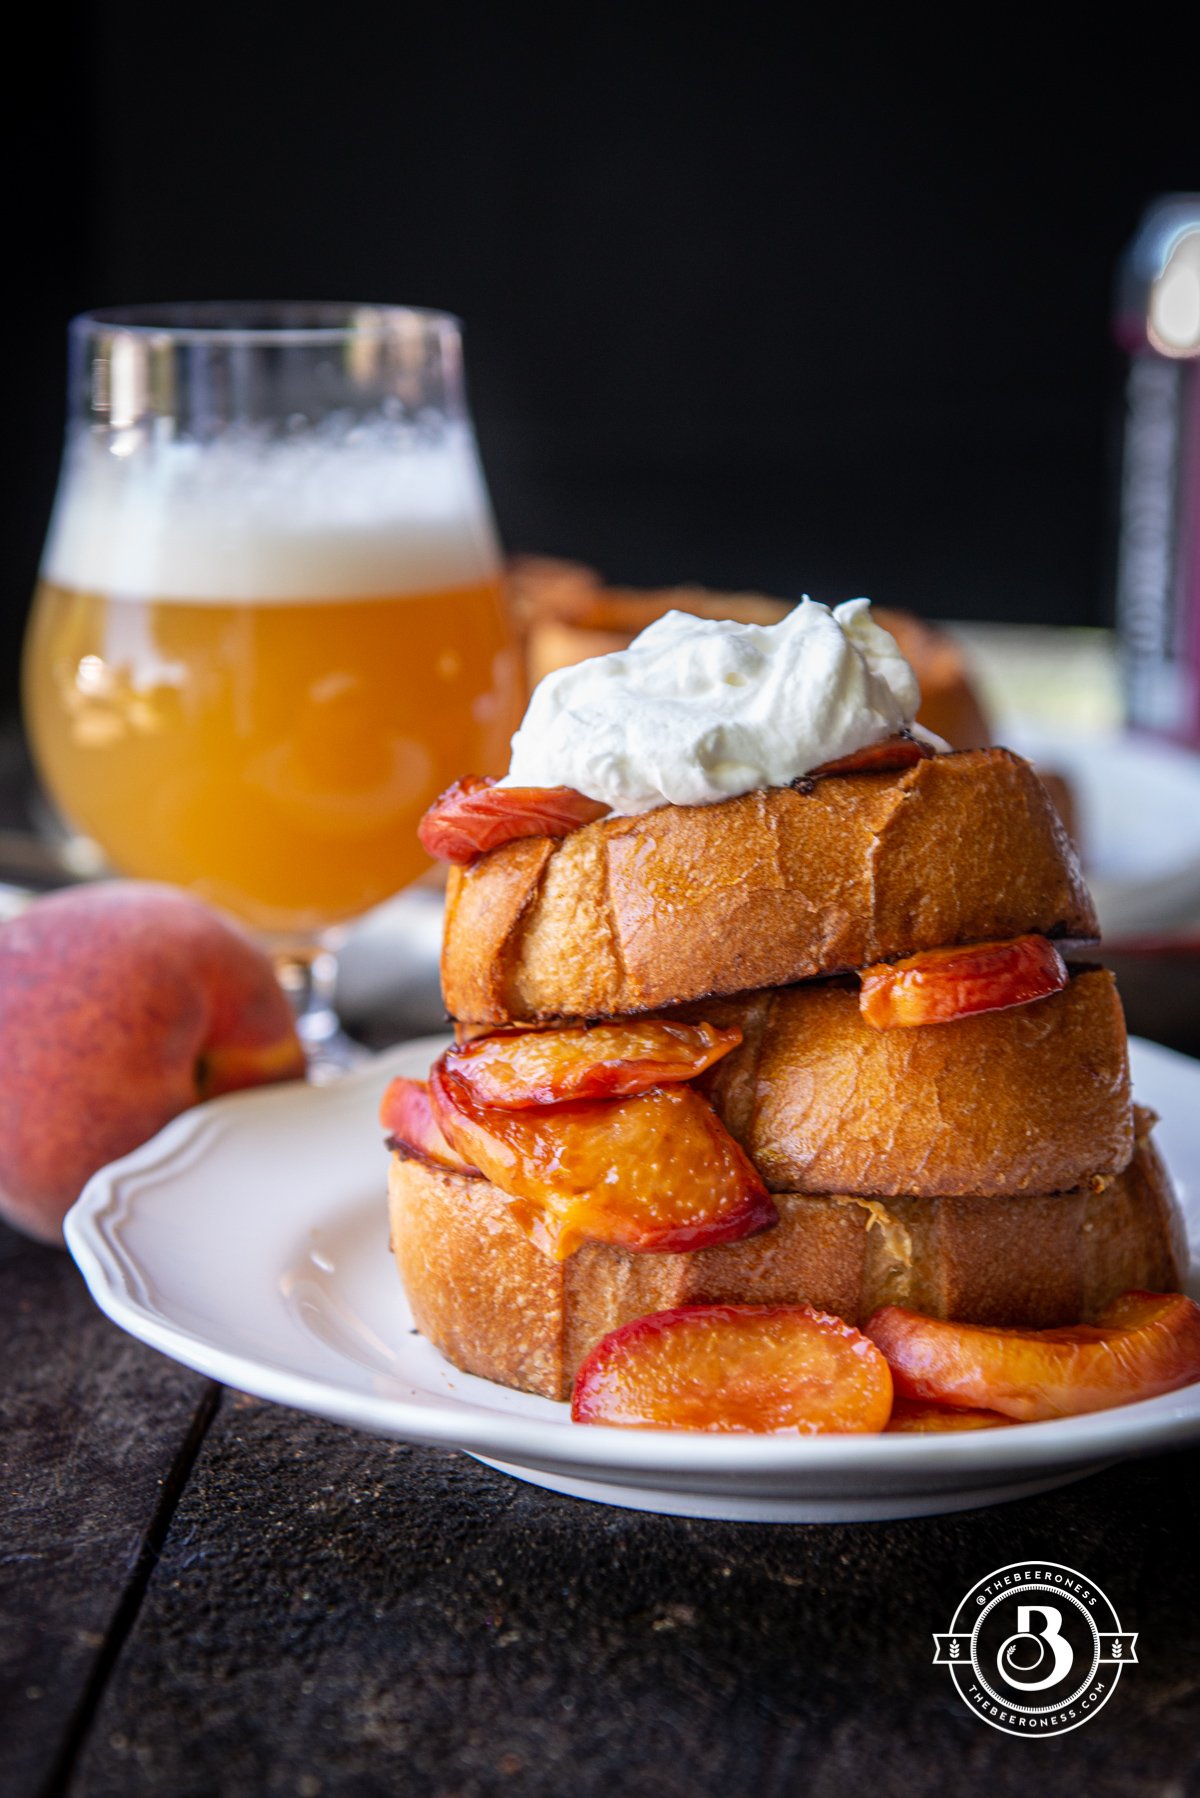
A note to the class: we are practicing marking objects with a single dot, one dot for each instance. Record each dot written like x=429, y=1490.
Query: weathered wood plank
x=91, y=1426
x=333, y=1614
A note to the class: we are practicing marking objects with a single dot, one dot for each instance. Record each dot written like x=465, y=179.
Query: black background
x=814, y=304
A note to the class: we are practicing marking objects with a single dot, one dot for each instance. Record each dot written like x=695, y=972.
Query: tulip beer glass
x=270, y=624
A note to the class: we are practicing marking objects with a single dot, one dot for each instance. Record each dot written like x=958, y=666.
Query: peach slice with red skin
x=406, y=1113
x=940, y=985
x=605, y=1061
x=658, y=1171
x=476, y=815
x=772, y=1369
x=888, y=757
x=1142, y=1344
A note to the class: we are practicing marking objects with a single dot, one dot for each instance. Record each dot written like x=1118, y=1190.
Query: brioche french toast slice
x=1033, y=1098
x=782, y=884
x=496, y=1306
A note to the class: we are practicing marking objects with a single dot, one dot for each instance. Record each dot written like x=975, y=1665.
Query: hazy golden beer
x=272, y=754
x=270, y=626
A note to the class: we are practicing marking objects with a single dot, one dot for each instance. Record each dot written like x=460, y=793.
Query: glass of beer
x=270, y=624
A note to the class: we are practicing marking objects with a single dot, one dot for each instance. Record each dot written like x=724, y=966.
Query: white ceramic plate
x=249, y=1240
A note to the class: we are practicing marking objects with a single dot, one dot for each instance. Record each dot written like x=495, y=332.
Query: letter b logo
x=1022, y=1660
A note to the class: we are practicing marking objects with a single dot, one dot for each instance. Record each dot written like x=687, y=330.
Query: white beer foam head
x=254, y=521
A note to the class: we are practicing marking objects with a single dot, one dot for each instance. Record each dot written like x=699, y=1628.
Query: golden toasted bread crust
x=495, y=1306
x=1032, y=1099
x=632, y=914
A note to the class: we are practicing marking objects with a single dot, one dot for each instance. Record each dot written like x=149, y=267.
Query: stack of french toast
x=832, y=1044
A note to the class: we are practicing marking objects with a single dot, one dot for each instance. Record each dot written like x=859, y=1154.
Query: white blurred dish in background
x=389, y=965
x=1137, y=802
x=1053, y=693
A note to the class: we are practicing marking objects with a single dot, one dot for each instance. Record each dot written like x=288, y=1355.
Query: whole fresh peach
x=121, y=1004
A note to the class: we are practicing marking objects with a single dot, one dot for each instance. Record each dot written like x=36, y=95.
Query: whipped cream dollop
x=701, y=709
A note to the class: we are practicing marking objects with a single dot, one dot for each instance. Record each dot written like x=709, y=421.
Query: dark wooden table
x=204, y=1594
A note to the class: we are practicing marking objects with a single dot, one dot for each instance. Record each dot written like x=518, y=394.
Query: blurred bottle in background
x=1158, y=556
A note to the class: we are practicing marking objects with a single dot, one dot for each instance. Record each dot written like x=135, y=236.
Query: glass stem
x=309, y=978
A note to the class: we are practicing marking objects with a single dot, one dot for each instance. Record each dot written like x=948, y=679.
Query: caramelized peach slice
x=894, y=753
x=1142, y=1344
x=657, y=1171
x=920, y=1417
x=406, y=1113
x=770, y=1368
x=608, y=1061
x=943, y=984
x=475, y=815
